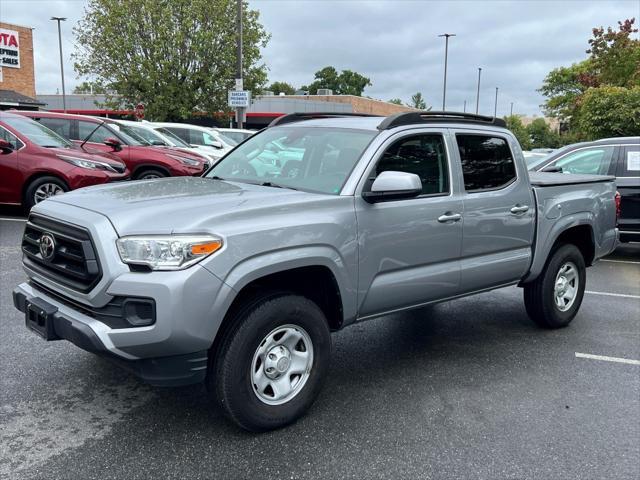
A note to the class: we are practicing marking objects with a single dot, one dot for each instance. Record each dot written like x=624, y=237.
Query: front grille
x=69, y=255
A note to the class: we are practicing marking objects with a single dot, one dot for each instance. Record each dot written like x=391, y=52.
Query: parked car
x=238, y=278
x=145, y=133
x=610, y=156
x=238, y=135
x=533, y=157
x=206, y=137
x=100, y=135
x=36, y=163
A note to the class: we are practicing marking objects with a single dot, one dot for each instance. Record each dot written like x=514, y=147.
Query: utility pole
x=64, y=97
x=495, y=106
x=239, y=81
x=446, y=55
x=464, y=108
x=511, y=110
x=478, y=93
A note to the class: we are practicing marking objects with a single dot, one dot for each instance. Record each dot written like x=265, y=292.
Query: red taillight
x=618, y=202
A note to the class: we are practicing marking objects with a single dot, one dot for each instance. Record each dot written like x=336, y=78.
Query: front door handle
x=449, y=217
x=518, y=209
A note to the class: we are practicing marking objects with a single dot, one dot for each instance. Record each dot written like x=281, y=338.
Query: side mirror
x=113, y=143
x=552, y=169
x=5, y=147
x=158, y=143
x=216, y=144
x=393, y=186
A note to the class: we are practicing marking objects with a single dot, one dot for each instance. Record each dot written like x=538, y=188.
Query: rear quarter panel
x=565, y=206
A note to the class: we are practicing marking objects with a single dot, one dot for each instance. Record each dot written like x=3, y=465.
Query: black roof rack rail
x=299, y=116
x=411, y=118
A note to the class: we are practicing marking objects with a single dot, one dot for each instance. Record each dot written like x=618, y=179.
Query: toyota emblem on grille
x=47, y=246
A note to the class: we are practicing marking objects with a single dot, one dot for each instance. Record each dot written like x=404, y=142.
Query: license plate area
x=39, y=318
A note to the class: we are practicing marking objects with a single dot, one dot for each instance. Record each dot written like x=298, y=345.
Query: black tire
x=234, y=360
x=32, y=193
x=149, y=173
x=539, y=295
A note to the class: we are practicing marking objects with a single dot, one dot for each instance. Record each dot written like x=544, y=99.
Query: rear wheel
x=42, y=188
x=553, y=299
x=270, y=365
x=149, y=174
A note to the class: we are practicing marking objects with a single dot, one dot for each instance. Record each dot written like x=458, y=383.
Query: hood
x=183, y=204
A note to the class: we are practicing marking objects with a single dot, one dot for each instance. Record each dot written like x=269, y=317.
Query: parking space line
x=608, y=294
x=9, y=219
x=621, y=261
x=607, y=359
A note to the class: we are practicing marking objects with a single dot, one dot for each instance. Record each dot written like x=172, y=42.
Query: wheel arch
x=36, y=175
x=150, y=166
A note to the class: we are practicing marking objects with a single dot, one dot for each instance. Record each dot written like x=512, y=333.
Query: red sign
x=139, y=111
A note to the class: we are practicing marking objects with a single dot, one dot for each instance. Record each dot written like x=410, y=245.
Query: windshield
x=129, y=137
x=37, y=133
x=229, y=141
x=536, y=162
x=175, y=140
x=304, y=158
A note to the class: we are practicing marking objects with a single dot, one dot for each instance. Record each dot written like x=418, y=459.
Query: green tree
x=395, y=101
x=514, y=123
x=175, y=56
x=563, y=88
x=346, y=82
x=282, y=87
x=541, y=134
x=90, y=87
x=615, y=55
x=417, y=101
x=610, y=112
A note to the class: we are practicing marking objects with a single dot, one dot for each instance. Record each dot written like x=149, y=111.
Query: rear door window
x=182, y=133
x=59, y=125
x=630, y=162
x=487, y=162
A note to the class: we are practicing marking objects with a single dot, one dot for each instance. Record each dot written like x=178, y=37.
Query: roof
x=9, y=97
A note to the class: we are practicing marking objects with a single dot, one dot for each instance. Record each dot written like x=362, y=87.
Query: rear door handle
x=519, y=209
x=449, y=217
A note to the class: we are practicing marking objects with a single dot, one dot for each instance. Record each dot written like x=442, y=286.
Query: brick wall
x=21, y=80
x=359, y=104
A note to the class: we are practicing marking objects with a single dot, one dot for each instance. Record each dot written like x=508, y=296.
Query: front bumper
x=68, y=324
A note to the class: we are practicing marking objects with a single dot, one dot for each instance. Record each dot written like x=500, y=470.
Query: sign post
x=240, y=100
x=139, y=111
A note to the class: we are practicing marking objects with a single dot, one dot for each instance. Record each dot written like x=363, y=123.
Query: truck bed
x=555, y=179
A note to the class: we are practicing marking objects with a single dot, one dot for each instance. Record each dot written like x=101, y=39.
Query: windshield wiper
x=275, y=185
x=215, y=177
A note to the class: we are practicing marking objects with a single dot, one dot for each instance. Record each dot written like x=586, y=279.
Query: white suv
x=209, y=138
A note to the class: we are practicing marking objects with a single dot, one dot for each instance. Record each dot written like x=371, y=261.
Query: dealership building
x=17, y=75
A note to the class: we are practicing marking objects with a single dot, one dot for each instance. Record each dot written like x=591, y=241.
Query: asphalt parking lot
x=468, y=389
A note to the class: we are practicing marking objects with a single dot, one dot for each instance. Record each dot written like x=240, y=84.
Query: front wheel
x=150, y=174
x=42, y=188
x=552, y=300
x=270, y=367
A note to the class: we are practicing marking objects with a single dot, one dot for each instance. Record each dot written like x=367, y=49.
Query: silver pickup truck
x=311, y=225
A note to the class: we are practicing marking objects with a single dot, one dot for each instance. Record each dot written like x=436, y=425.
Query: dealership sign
x=240, y=98
x=9, y=48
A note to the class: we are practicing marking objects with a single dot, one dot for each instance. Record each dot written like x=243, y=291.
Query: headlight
x=187, y=161
x=84, y=163
x=170, y=252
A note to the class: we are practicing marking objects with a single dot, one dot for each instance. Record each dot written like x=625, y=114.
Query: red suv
x=99, y=135
x=36, y=163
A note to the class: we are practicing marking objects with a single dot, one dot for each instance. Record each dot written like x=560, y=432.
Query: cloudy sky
x=395, y=43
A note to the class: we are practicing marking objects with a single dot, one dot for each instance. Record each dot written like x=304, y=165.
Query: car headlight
x=84, y=163
x=187, y=161
x=167, y=252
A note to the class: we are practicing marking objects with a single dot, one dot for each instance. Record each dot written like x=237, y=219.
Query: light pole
x=478, y=93
x=464, y=107
x=495, y=106
x=511, y=110
x=446, y=55
x=239, y=82
x=64, y=97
